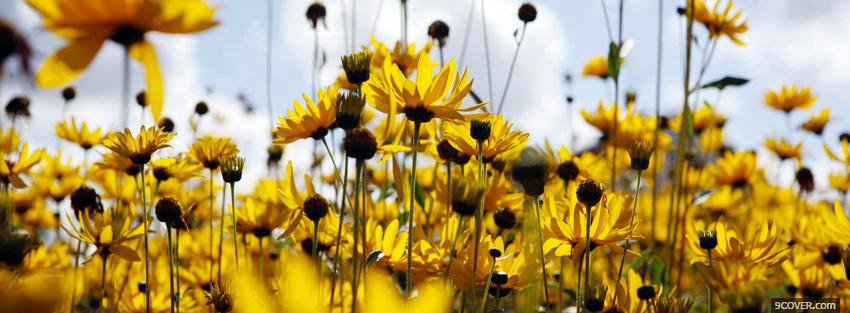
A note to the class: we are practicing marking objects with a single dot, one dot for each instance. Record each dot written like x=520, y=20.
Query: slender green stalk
x=170, y=267
x=466, y=33
x=579, y=289
x=315, y=247
x=104, y=256
x=542, y=255
x=587, y=251
x=212, y=213
x=339, y=231
x=358, y=171
x=147, y=253
x=177, y=267
x=631, y=229
x=487, y=286
x=233, y=223
x=404, y=25
x=479, y=216
x=511, y=69
x=221, y=230
x=710, y=297
x=460, y=222
x=487, y=53
x=410, y=213
x=657, y=130
x=315, y=70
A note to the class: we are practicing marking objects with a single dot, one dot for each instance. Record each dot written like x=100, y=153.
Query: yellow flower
x=725, y=23
x=627, y=293
x=209, y=150
x=406, y=60
x=259, y=217
x=783, y=149
x=9, y=140
x=761, y=243
x=294, y=200
x=179, y=168
x=567, y=235
x=109, y=235
x=598, y=67
x=81, y=135
x=139, y=148
x=817, y=123
x=515, y=262
x=840, y=181
x=43, y=259
x=424, y=98
x=312, y=122
x=502, y=138
x=735, y=169
x=88, y=25
x=11, y=171
x=789, y=98
x=36, y=292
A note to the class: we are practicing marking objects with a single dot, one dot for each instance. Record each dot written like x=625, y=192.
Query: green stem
x=479, y=216
x=487, y=286
x=221, y=230
x=104, y=256
x=339, y=231
x=358, y=169
x=587, y=251
x=212, y=213
x=542, y=255
x=580, y=291
x=170, y=266
x=315, y=239
x=454, y=242
x=177, y=267
x=76, y=270
x=409, y=278
x=147, y=253
x=710, y=298
x=233, y=222
x=631, y=229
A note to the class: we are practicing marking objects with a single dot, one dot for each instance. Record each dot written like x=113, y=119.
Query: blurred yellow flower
x=81, y=136
x=790, y=97
x=314, y=121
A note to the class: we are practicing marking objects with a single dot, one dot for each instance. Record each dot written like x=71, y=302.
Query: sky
x=801, y=42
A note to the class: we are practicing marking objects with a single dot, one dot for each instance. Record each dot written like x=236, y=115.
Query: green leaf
x=688, y=120
x=613, y=60
x=726, y=82
x=656, y=271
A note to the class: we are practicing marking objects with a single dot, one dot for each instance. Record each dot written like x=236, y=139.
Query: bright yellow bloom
x=816, y=123
x=138, y=149
x=627, y=293
x=719, y=23
x=518, y=263
x=109, y=235
x=11, y=171
x=294, y=200
x=735, y=169
x=761, y=243
x=81, y=135
x=597, y=67
x=312, y=122
x=783, y=149
x=9, y=140
x=840, y=181
x=179, y=168
x=502, y=138
x=424, y=98
x=88, y=25
x=567, y=236
x=208, y=150
x=407, y=60
x=36, y=292
x=789, y=98
x=259, y=217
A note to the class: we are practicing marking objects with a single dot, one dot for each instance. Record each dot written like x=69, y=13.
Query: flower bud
x=439, y=31
x=316, y=207
x=168, y=210
x=69, y=93
x=527, y=13
x=589, y=192
x=479, y=130
x=360, y=144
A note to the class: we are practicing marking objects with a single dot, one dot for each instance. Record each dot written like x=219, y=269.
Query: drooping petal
x=144, y=53
x=65, y=65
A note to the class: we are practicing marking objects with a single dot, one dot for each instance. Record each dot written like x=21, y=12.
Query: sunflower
x=761, y=243
x=139, y=148
x=502, y=138
x=110, y=232
x=816, y=123
x=81, y=135
x=208, y=150
x=88, y=25
x=734, y=169
x=725, y=23
x=790, y=97
x=313, y=122
x=783, y=149
x=423, y=99
x=11, y=170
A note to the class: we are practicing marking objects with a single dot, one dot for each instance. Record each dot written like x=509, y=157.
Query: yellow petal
x=125, y=253
x=145, y=54
x=65, y=65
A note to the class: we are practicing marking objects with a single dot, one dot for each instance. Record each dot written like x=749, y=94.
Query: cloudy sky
x=801, y=42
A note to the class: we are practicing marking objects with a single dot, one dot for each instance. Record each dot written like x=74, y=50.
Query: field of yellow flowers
x=435, y=201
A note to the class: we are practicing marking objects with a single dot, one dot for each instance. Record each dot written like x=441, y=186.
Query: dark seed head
x=499, y=278
x=527, y=13
x=168, y=210
x=531, y=170
x=640, y=152
x=316, y=207
x=446, y=151
x=69, y=93
x=18, y=107
x=707, y=239
x=307, y=246
x=166, y=124
x=419, y=114
x=832, y=255
x=646, y=292
x=495, y=253
x=126, y=35
x=567, y=170
x=439, y=31
x=844, y=137
x=13, y=249
x=505, y=219
x=466, y=197
x=360, y=144
x=201, y=108
x=594, y=299
x=462, y=159
x=86, y=198
x=316, y=12
x=479, y=129
x=275, y=154
x=142, y=99
x=805, y=179
x=231, y=168
x=589, y=192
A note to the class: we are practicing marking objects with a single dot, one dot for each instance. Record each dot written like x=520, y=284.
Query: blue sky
x=801, y=42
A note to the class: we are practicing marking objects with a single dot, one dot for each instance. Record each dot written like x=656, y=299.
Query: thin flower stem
x=315, y=242
x=339, y=231
x=233, y=224
x=410, y=213
x=487, y=53
x=466, y=33
x=221, y=230
x=580, y=290
x=315, y=70
x=448, y=190
x=104, y=256
x=459, y=230
x=540, y=249
x=657, y=130
x=607, y=20
x=487, y=286
x=479, y=216
x=631, y=229
x=404, y=24
x=170, y=267
x=358, y=169
x=262, y=261
x=587, y=251
x=147, y=253
x=336, y=169
x=212, y=213
x=177, y=266
x=511, y=69
x=76, y=270
x=710, y=297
